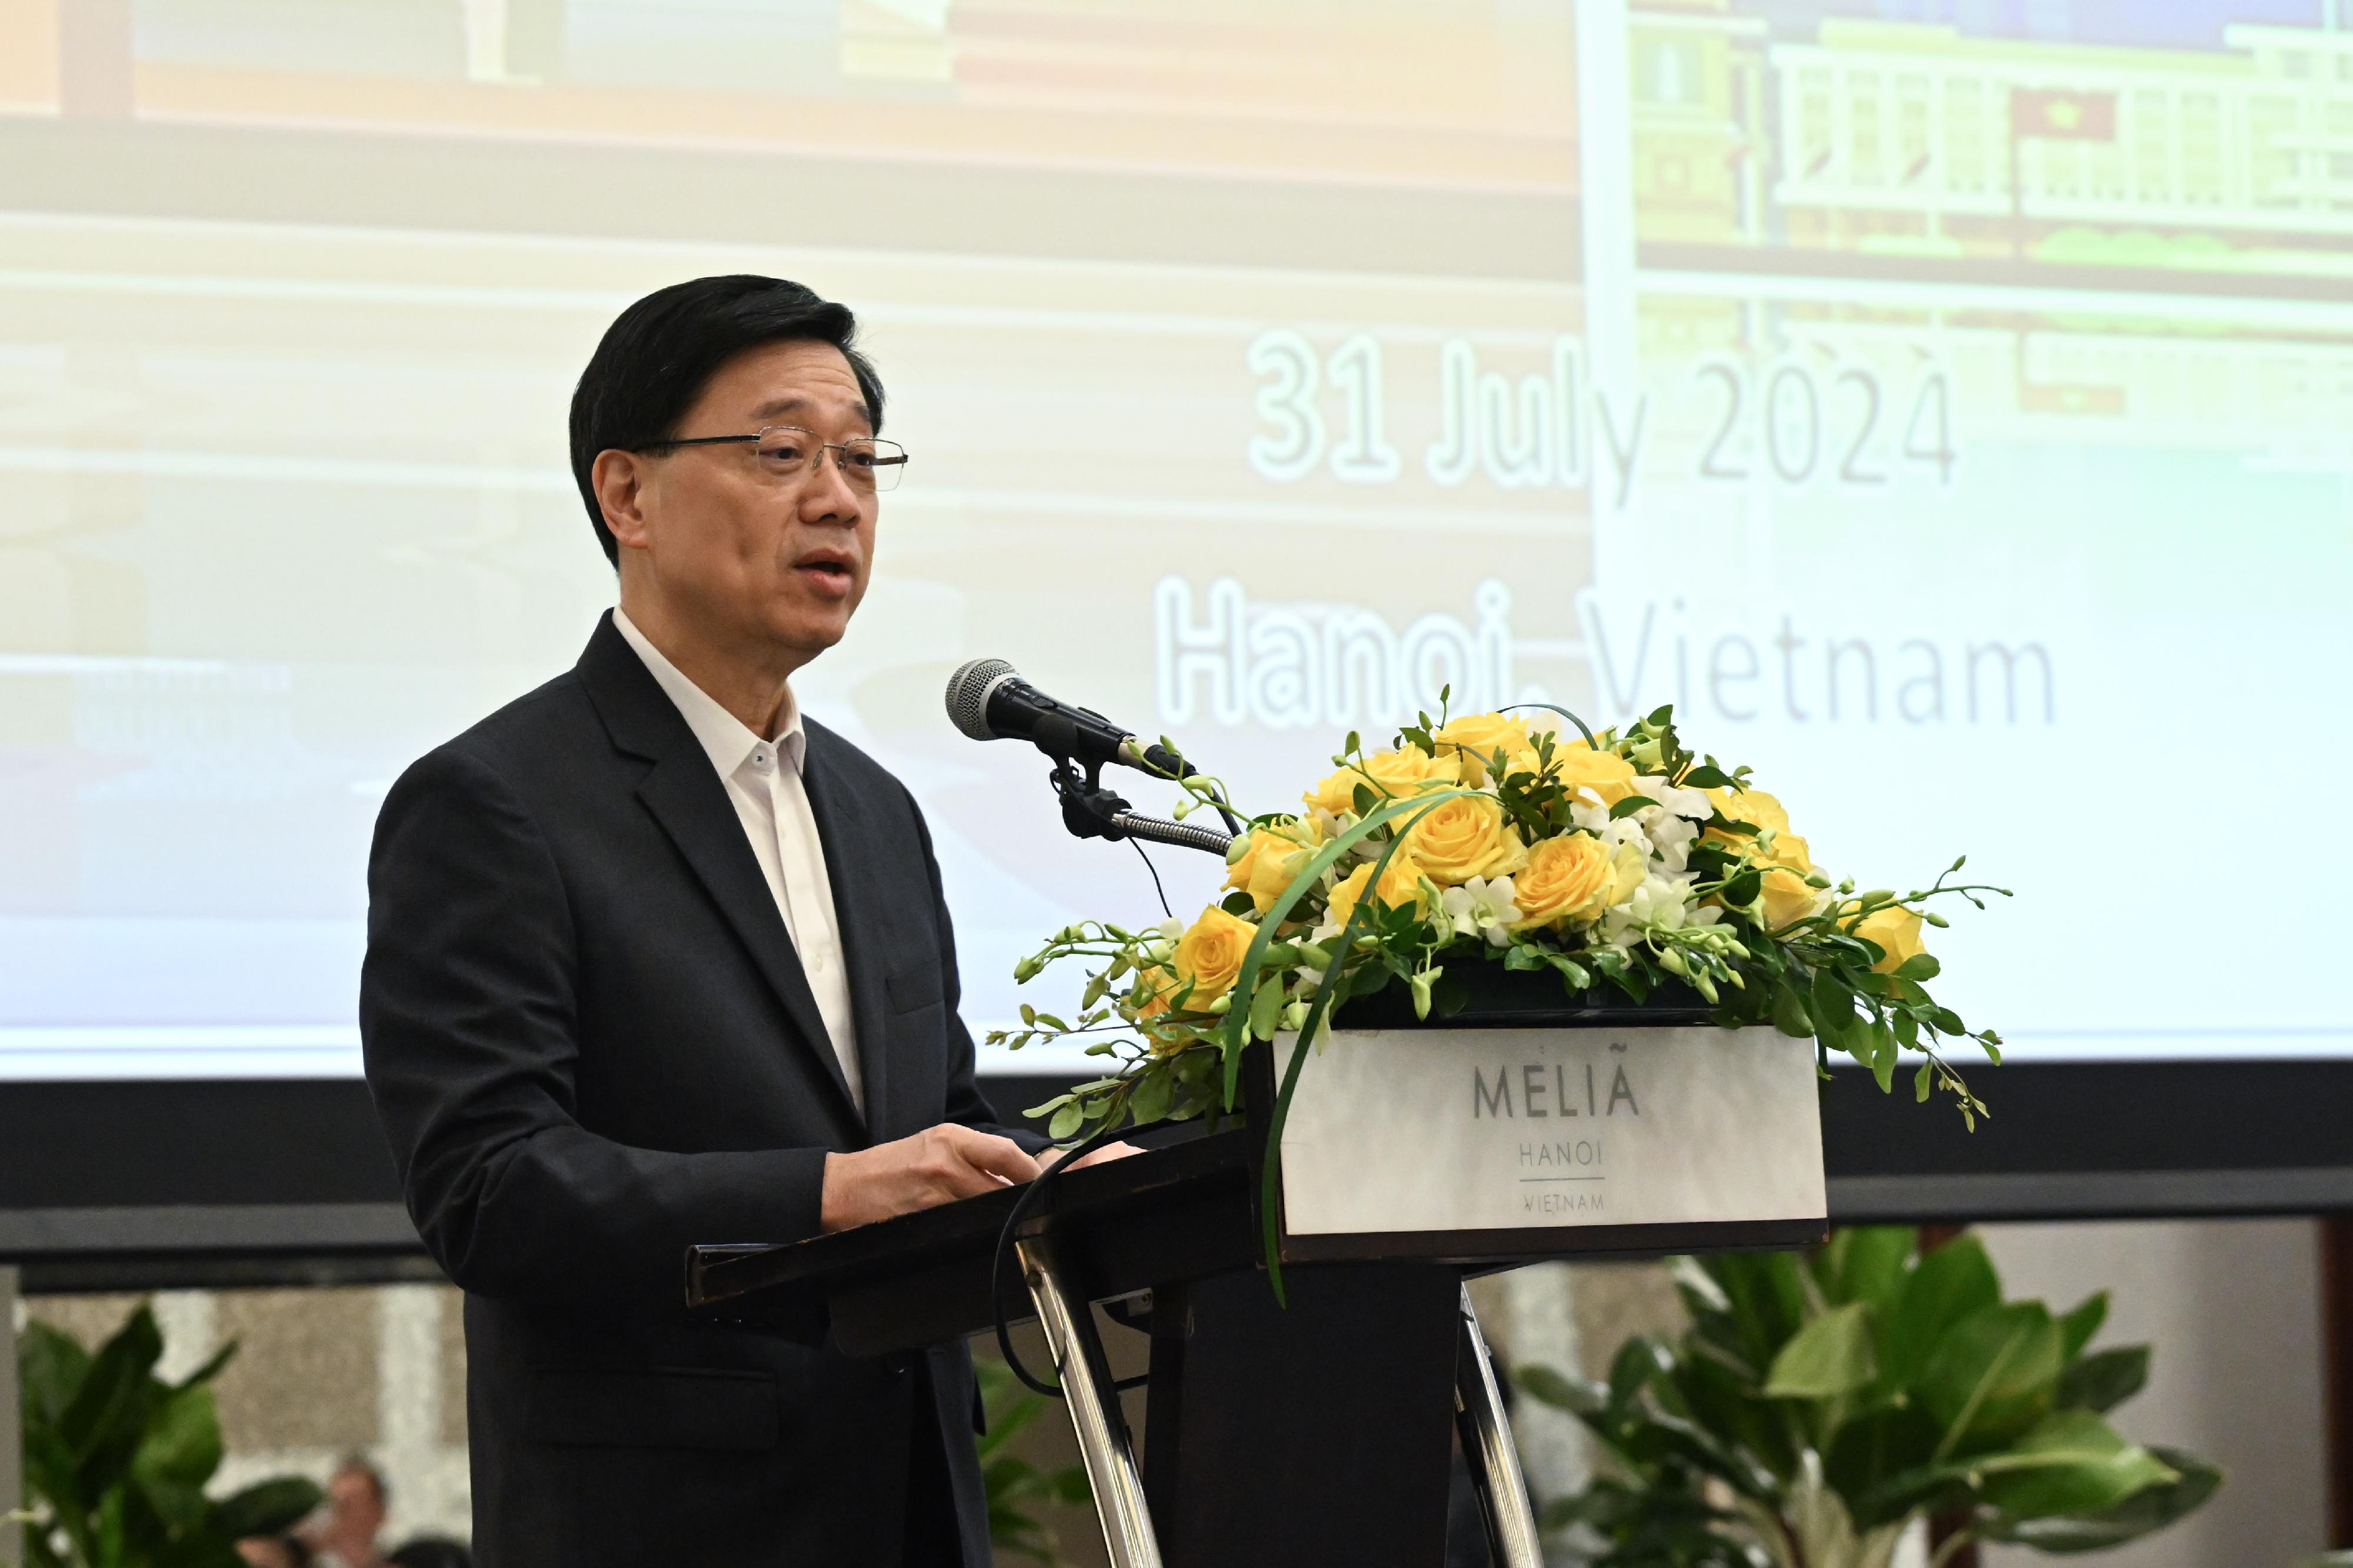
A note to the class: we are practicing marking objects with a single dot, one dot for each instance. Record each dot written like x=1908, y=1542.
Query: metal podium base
x=1239, y=1498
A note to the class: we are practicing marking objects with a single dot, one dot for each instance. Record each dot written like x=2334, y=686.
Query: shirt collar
x=725, y=739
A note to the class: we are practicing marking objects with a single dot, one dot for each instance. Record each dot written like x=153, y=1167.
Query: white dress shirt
x=763, y=780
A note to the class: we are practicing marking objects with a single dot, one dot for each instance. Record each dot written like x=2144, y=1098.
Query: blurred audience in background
x=342, y=1533
x=274, y=1551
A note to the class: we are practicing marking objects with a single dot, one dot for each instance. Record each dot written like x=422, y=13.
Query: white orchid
x=1482, y=907
x=1672, y=834
x=1685, y=803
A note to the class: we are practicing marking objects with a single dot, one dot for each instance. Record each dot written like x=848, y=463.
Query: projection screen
x=1947, y=405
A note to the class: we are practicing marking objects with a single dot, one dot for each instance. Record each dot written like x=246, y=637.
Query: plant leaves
x=2077, y=1327
x=1546, y=1385
x=1266, y=1006
x=1946, y=1285
x=1993, y=1374
x=1830, y=1356
x=50, y=1367
x=267, y=1508
x=1866, y=1263
x=2072, y=1463
x=2146, y=1512
x=2105, y=1379
x=103, y=1424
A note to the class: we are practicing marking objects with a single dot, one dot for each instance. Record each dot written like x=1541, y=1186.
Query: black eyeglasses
x=788, y=451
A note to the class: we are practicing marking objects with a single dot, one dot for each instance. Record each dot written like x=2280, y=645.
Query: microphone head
x=968, y=692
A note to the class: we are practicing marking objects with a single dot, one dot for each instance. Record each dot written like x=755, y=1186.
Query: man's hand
x=1053, y=1157
x=937, y=1165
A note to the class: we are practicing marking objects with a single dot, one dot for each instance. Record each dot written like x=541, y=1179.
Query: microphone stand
x=1091, y=811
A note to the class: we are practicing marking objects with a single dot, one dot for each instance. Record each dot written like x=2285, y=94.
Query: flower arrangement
x=1619, y=861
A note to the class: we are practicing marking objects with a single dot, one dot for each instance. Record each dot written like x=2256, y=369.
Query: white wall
x=2233, y=1309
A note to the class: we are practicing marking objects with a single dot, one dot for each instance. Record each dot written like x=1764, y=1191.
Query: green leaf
x=1789, y=1015
x=1765, y=1294
x=2105, y=1379
x=1882, y=1054
x=1833, y=1009
x=1947, y=1285
x=2077, y=1327
x=1630, y=806
x=103, y=1424
x=50, y=1368
x=1547, y=1386
x=182, y=1443
x=1866, y=1263
x=267, y=1508
x=1830, y=1356
x=1638, y=1361
x=1150, y=1102
x=1266, y=1006
x=2149, y=1510
x=1992, y=1373
x=2071, y=1463
x=1919, y=966
x=1067, y=1121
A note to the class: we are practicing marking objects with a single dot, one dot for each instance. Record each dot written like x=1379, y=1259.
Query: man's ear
x=619, y=479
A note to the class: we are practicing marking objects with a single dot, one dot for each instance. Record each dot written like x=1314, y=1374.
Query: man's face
x=354, y=1512
x=753, y=560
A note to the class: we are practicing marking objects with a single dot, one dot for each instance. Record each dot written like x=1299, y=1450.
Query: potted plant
x=117, y=1459
x=1015, y=1486
x=1819, y=1407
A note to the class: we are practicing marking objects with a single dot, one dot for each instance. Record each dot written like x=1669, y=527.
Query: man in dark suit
x=653, y=961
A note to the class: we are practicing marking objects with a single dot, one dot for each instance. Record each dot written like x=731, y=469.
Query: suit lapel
x=845, y=828
x=685, y=797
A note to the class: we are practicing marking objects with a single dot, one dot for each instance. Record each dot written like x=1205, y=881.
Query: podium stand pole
x=1488, y=1447
x=1095, y=1415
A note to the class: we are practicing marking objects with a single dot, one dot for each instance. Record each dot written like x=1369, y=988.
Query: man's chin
x=809, y=630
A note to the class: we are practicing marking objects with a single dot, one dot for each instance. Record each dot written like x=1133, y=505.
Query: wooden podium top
x=1181, y=1211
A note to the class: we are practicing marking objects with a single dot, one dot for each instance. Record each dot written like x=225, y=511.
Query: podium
x=1320, y=1431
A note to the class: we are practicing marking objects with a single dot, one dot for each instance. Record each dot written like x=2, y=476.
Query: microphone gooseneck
x=988, y=701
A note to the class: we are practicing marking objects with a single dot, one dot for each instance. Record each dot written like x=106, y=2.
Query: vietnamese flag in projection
x=2062, y=115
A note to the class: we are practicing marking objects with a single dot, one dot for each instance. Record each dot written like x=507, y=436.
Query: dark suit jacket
x=592, y=1047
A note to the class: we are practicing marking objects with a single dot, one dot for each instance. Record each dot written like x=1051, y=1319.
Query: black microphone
x=988, y=701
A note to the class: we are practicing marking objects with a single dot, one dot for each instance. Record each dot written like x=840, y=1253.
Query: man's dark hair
x=359, y=1465
x=659, y=353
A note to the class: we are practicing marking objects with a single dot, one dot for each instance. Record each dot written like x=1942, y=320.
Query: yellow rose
x=1787, y=895
x=1895, y=929
x=1149, y=1000
x=1578, y=766
x=1403, y=771
x=1476, y=737
x=1149, y=997
x=1210, y=954
x=1270, y=861
x=1401, y=885
x=1759, y=810
x=1465, y=837
x=1565, y=879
